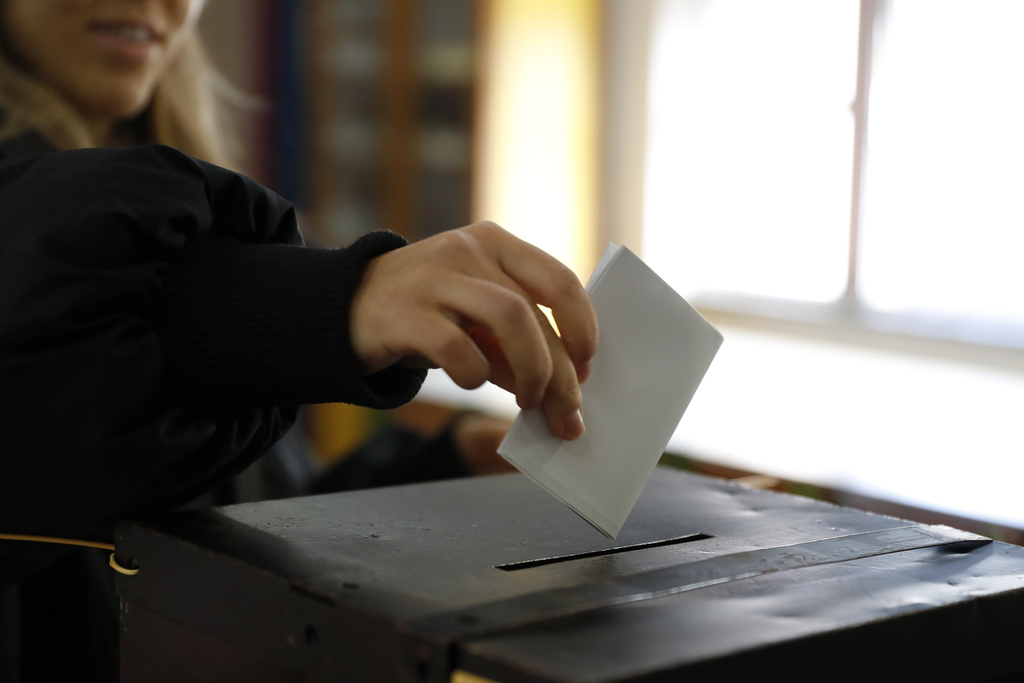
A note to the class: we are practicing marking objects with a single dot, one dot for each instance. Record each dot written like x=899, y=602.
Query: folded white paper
x=653, y=352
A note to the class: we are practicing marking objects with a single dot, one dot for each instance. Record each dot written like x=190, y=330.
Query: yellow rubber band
x=72, y=541
x=119, y=568
x=62, y=541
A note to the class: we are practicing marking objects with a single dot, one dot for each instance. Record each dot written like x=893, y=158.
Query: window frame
x=847, y=319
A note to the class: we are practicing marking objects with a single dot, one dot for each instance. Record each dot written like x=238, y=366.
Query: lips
x=138, y=34
x=128, y=40
x=127, y=30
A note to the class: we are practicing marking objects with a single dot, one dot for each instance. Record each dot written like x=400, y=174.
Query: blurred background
x=836, y=186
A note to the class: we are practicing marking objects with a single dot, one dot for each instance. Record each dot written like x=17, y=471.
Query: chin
x=127, y=105
x=116, y=107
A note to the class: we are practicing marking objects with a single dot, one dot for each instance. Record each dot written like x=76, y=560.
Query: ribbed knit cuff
x=247, y=326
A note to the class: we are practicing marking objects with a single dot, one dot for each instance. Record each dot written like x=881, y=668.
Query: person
x=161, y=319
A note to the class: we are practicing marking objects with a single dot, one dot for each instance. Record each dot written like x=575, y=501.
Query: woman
x=92, y=74
x=159, y=321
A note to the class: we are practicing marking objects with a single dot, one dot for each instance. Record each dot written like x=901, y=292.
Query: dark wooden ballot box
x=493, y=578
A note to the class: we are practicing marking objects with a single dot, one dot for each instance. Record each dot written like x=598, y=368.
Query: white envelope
x=653, y=352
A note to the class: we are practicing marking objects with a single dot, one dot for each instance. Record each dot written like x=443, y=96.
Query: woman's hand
x=466, y=301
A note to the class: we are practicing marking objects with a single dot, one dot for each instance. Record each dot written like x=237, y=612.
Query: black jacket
x=160, y=322
x=158, y=325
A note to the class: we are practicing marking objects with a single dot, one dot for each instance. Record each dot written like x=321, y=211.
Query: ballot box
x=493, y=579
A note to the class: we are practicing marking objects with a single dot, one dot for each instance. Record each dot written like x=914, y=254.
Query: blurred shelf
x=390, y=98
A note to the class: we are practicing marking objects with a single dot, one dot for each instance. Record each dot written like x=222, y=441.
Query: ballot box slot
x=533, y=608
x=539, y=562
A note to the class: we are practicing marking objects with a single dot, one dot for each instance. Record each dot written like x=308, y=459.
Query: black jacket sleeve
x=159, y=321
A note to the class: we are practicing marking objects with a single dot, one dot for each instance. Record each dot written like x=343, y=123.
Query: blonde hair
x=187, y=111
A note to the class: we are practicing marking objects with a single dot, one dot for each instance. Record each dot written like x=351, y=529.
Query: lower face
x=104, y=56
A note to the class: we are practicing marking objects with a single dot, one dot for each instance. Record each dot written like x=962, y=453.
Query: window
x=857, y=161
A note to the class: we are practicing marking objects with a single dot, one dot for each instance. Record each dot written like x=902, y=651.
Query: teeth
x=136, y=34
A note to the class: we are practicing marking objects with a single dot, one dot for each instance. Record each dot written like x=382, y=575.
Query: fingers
x=548, y=282
x=434, y=337
x=562, y=397
x=501, y=372
x=527, y=357
x=510, y=320
x=542, y=279
x=466, y=301
x=563, y=400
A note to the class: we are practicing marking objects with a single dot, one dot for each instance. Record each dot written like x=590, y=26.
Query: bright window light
x=943, y=231
x=750, y=146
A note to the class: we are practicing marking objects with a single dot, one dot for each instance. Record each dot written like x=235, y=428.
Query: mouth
x=128, y=31
x=128, y=41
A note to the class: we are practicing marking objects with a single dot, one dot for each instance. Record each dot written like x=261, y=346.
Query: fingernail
x=574, y=426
